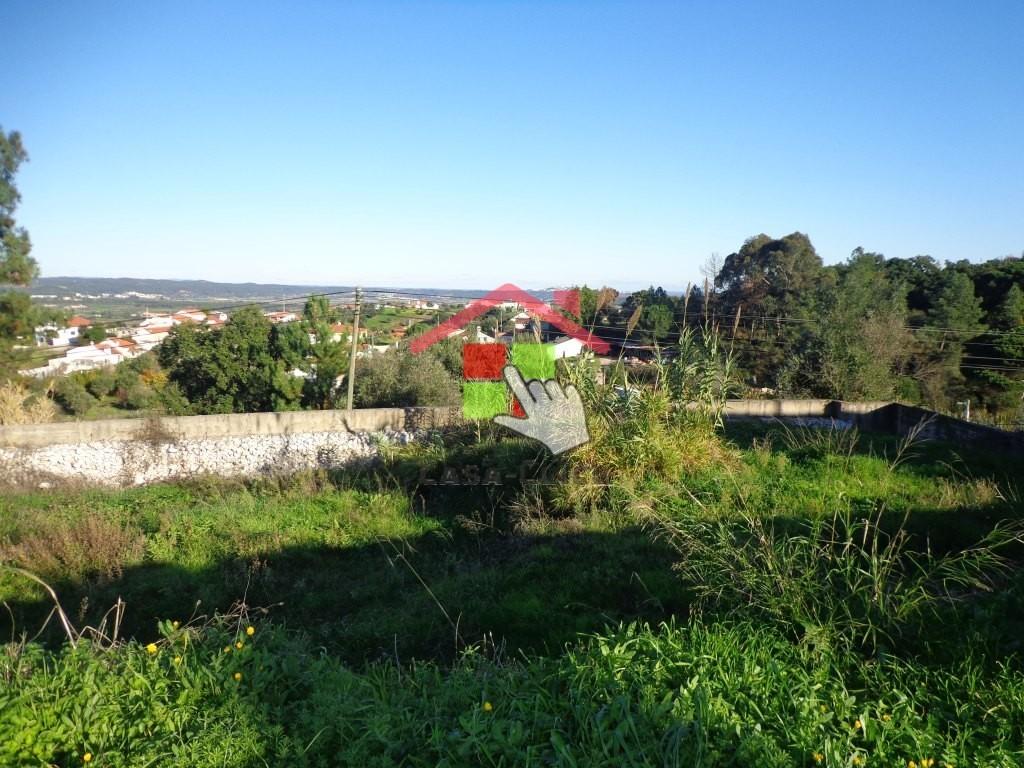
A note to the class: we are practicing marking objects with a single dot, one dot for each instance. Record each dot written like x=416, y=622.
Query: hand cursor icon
x=553, y=415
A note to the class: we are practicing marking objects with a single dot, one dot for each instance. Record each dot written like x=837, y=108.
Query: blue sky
x=469, y=144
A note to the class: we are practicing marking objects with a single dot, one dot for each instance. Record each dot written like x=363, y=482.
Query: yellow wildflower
x=239, y=645
x=87, y=757
x=175, y=625
x=858, y=760
x=488, y=706
x=857, y=724
x=911, y=764
x=151, y=648
x=227, y=649
x=887, y=717
x=237, y=676
x=250, y=631
x=818, y=757
x=177, y=659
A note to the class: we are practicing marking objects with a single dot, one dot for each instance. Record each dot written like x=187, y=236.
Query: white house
x=281, y=317
x=108, y=352
x=189, y=316
x=568, y=346
x=159, y=321
x=521, y=321
x=147, y=338
x=52, y=336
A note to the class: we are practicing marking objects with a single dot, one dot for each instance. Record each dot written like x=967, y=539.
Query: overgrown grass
x=828, y=598
x=703, y=695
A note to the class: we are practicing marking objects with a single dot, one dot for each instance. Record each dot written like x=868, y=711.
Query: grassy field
x=772, y=597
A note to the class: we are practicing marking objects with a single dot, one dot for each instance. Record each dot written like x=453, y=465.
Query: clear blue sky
x=466, y=144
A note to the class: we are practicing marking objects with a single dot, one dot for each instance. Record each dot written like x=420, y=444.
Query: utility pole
x=355, y=346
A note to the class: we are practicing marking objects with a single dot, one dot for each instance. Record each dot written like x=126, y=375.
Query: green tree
x=656, y=322
x=771, y=285
x=17, y=267
x=328, y=359
x=597, y=306
x=397, y=378
x=859, y=349
x=238, y=368
x=952, y=322
x=94, y=333
x=999, y=357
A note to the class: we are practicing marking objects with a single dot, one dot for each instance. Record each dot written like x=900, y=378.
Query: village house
x=109, y=352
x=51, y=335
x=189, y=316
x=281, y=317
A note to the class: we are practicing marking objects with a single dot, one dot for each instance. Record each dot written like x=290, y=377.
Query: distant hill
x=205, y=290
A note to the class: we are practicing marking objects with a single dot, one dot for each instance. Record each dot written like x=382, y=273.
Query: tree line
x=869, y=328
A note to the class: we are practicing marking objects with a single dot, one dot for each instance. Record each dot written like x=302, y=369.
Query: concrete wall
x=781, y=409
x=901, y=419
x=123, y=452
x=120, y=452
x=228, y=425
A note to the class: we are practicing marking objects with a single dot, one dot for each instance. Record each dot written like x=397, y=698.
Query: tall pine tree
x=17, y=268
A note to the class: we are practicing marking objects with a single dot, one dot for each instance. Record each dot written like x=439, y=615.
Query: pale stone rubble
x=138, y=462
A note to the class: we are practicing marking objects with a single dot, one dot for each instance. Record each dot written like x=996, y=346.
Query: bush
x=845, y=581
x=397, y=378
x=19, y=405
x=100, y=382
x=73, y=396
x=138, y=396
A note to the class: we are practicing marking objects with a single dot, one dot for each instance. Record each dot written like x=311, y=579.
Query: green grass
x=391, y=606
x=484, y=399
x=703, y=695
x=345, y=565
x=534, y=361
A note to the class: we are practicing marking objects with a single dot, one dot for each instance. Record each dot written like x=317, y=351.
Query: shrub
x=843, y=580
x=19, y=405
x=397, y=378
x=139, y=396
x=644, y=437
x=73, y=551
x=73, y=396
x=101, y=382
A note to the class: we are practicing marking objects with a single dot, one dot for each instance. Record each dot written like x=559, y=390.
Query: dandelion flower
x=239, y=645
x=911, y=764
x=488, y=706
x=87, y=757
x=177, y=659
x=857, y=724
x=237, y=676
x=818, y=757
x=227, y=649
x=250, y=631
x=151, y=648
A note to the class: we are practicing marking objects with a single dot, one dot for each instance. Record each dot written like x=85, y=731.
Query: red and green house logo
x=485, y=393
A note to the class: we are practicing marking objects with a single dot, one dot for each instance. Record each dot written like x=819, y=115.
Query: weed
x=845, y=579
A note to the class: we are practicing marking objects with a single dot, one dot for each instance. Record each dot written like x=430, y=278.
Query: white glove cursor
x=553, y=415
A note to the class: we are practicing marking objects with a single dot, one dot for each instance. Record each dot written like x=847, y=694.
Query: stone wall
x=123, y=452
